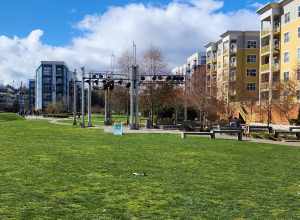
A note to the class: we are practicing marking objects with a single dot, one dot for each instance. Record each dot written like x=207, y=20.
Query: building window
x=287, y=17
x=298, y=32
x=287, y=37
x=251, y=59
x=251, y=86
x=298, y=94
x=251, y=72
x=298, y=54
x=252, y=44
x=286, y=57
x=232, y=76
x=298, y=74
x=298, y=11
x=286, y=76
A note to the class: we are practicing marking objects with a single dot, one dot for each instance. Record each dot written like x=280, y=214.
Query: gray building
x=31, y=95
x=52, y=85
x=8, y=98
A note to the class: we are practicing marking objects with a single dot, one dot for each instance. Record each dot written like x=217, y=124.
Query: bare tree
x=287, y=99
x=210, y=107
x=125, y=61
x=153, y=64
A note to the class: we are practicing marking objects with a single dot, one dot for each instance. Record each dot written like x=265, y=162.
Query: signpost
x=118, y=129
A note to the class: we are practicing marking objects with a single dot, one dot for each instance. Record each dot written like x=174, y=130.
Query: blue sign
x=118, y=129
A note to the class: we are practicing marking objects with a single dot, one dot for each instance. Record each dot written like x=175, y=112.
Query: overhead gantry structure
x=106, y=80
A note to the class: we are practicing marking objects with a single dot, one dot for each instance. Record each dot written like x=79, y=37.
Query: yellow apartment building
x=280, y=51
x=233, y=69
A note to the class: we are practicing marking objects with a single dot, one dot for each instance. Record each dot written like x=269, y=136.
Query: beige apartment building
x=233, y=69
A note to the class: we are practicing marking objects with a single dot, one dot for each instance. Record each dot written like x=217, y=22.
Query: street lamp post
x=82, y=99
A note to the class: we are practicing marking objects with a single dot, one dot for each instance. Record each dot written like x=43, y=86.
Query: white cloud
x=179, y=28
x=255, y=5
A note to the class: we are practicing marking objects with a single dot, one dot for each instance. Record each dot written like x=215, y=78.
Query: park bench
x=295, y=128
x=169, y=127
x=213, y=133
x=238, y=132
x=277, y=133
x=210, y=134
x=258, y=128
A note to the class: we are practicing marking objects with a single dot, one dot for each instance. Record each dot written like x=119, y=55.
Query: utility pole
x=133, y=122
x=90, y=101
x=82, y=99
x=134, y=80
x=74, y=99
x=107, y=108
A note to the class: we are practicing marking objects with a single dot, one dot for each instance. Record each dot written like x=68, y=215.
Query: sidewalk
x=108, y=129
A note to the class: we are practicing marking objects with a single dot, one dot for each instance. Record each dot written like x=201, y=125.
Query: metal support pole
x=107, y=116
x=133, y=124
x=90, y=102
x=74, y=101
x=82, y=99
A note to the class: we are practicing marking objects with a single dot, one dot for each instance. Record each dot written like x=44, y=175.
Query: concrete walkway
x=108, y=129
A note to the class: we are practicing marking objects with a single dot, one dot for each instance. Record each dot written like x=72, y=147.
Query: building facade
x=280, y=59
x=280, y=51
x=31, y=95
x=233, y=66
x=8, y=98
x=52, y=85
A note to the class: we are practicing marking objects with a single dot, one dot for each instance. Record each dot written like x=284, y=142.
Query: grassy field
x=58, y=172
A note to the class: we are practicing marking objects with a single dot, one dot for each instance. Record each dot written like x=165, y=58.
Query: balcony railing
x=265, y=32
x=277, y=29
x=275, y=67
x=233, y=50
x=265, y=67
x=265, y=49
x=233, y=64
x=264, y=85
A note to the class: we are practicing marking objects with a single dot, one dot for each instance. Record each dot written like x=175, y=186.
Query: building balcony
x=276, y=85
x=233, y=50
x=264, y=86
x=275, y=67
x=265, y=67
x=233, y=64
x=265, y=33
x=265, y=49
x=276, y=29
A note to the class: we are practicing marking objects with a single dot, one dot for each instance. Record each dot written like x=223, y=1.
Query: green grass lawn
x=49, y=171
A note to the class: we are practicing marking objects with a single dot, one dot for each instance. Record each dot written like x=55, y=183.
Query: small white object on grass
x=139, y=174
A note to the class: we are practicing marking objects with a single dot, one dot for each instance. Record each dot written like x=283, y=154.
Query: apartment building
x=52, y=84
x=233, y=66
x=194, y=69
x=8, y=98
x=280, y=51
x=31, y=95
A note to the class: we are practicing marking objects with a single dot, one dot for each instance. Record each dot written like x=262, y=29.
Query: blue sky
x=87, y=32
x=57, y=17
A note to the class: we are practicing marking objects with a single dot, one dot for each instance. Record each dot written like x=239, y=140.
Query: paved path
x=108, y=129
